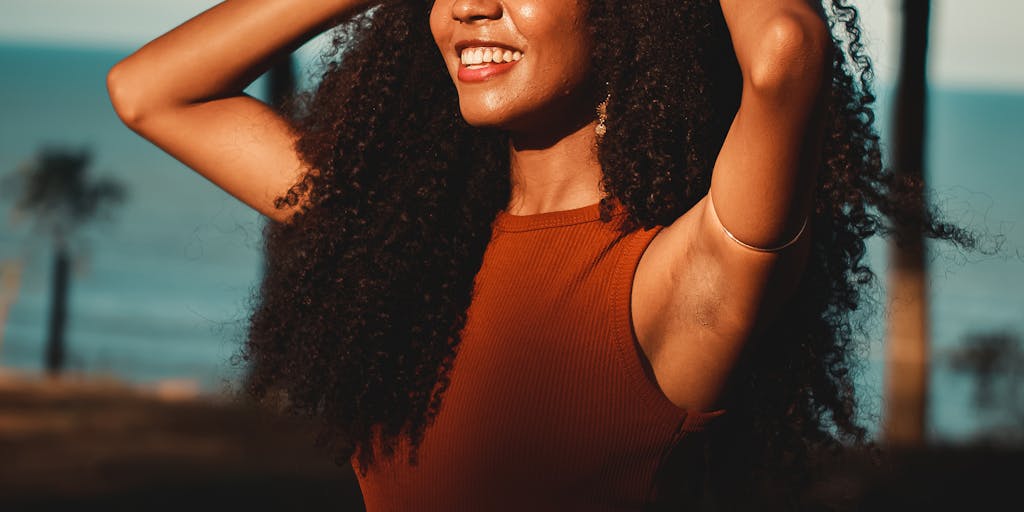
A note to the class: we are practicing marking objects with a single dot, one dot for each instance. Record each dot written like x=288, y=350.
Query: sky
x=975, y=43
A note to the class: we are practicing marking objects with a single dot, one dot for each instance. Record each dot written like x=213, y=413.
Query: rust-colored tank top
x=548, y=406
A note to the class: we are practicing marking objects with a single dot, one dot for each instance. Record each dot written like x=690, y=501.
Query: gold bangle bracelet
x=803, y=228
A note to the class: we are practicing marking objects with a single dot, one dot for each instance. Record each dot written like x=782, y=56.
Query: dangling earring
x=602, y=117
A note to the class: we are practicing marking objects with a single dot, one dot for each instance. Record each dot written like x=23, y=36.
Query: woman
x=639, y=225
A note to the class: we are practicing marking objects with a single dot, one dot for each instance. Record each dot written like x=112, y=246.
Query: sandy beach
x=104, y=445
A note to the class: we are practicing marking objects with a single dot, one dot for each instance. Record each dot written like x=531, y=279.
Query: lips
x=482, y=59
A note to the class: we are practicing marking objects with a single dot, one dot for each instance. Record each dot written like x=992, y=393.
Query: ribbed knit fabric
x=548, y=406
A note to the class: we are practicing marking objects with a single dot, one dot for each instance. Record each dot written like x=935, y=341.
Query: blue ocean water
x=162, y=291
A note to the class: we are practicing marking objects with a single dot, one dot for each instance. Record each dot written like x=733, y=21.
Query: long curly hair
x=357, y=319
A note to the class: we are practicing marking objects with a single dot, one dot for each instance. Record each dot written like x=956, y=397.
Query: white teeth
x=473, y=56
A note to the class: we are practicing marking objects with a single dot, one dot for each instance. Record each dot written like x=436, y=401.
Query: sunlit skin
x=546, y=100
x=552, y=74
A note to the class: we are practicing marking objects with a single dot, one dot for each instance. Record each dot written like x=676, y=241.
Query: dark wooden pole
x=906, y=401
x=281, y=81
x=58, y=311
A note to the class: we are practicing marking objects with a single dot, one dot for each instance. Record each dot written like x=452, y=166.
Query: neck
x=554, y=173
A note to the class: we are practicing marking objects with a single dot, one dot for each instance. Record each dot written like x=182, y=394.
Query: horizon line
x=309, y=50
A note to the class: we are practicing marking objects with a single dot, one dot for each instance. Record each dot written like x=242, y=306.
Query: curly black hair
x=365, y=292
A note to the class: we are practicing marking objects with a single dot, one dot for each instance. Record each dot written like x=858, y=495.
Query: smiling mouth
x=479, y=57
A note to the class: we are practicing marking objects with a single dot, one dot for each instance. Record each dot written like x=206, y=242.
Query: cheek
x=579, y=48
x=439, y=29
x=564, y=40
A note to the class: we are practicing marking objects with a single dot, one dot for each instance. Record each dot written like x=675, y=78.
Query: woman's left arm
x=762, y=182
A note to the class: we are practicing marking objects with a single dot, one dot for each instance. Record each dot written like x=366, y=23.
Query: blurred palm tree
x=57, y=192
x=907, y=345
x=988, y=355
x=995, y=362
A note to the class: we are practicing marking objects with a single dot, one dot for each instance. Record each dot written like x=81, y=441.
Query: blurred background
x=159, y=267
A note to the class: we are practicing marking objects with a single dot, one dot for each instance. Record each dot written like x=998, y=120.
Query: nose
x=469, y=11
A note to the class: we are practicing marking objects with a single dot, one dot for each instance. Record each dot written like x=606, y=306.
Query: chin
x=519, y=118
x=488, y=118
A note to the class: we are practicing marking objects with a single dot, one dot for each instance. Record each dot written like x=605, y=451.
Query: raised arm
x=763, y=179
x=183, y=92
x=702, y=296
